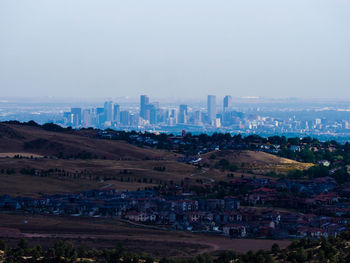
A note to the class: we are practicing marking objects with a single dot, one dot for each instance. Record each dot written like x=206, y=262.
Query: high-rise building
x=152, y=112
x=116, y=113
x=173, y=117
x=76, y=116
x=211, y=108
x=134, y=119
x=227, y=103
x=144, y=101
x=182, y=114
x=125, y=118
x=86, y=118
x=197, y=117
x=100, y=116
x=108, y=111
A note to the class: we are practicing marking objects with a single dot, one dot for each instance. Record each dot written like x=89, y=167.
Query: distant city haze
x=179, y=49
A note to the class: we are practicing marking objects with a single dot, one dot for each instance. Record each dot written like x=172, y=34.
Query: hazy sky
x=180, y=48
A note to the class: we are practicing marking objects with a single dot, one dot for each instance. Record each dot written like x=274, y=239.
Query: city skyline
x=224, y=115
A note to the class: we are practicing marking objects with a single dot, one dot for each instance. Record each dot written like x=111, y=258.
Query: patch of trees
x=28, y=171
x=59, y=173
x=7, y=171
x=134, y=179
x=47, y=126
x=340, y=175
x=224, y=165
x=29, y=123
x=332, y=249
x=55, y=128
x=84, y=155
x=18, y=156
x=125, y=171
x=159, y=168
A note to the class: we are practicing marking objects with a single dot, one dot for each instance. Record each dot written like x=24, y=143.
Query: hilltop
x=256, y=162
x=82, y=144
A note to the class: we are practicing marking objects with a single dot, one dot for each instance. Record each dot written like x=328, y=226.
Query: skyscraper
x=153, y=113
x=108, y=110
x=116, y=113
x=182, y=113
x=197, y=117
x=125, y=118
x=100, y=116
x=227, y=102
x=144, y=101
x=76, y=116
x=86, y=118
x=211, y=108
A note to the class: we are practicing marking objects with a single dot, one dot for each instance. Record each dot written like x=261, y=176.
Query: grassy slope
x=17, y=184
x=258, y=162
x=13, y=138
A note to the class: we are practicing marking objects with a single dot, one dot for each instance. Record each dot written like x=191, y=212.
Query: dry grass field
x=31, y=186
x=106, y=233
x=256, y=162
x=140, y=174
x=27, y=139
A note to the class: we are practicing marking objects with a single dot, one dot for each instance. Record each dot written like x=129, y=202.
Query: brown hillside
x=256, y=161
x=35, y=140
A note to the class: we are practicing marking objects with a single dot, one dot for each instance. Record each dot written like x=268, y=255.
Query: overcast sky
x=179, y=48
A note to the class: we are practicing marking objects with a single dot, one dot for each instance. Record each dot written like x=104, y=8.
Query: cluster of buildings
x=324, y=120
x=150, y=114
x=222, y=117
x=257, y=212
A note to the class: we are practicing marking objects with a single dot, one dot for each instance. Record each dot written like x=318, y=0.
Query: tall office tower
x=144, y=101
x=134, y=119
x=211, y=108
x=93, y=117
x=76, y=116
x=124, y=118
x=116, y=113
x=227, y=103
x=197, y=117
x=86, y=118
x=173, y=113
x=108, y=110
x=182, y=114
x=173, y=117
x=100, y=116
x=152, y=113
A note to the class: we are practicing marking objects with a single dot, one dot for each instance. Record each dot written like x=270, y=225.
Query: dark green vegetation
x=305, y=250
x=338, y=171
